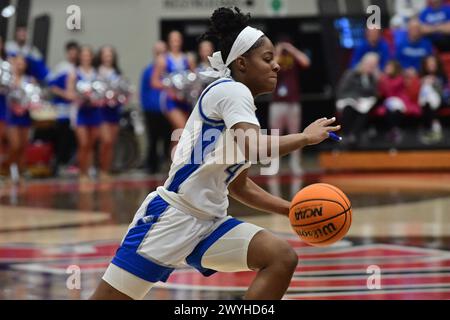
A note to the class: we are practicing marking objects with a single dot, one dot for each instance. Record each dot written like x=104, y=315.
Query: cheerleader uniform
x=174, y=65
x=88, y=115
x=109, y=114
x=23, y=120
x=2, y=108
x=3, y=105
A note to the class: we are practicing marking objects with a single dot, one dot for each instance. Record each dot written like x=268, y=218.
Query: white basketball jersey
x=204, y=163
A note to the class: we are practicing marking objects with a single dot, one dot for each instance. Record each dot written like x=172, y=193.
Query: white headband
x=244, y=41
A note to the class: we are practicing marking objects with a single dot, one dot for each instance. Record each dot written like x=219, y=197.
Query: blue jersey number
x=231, y=170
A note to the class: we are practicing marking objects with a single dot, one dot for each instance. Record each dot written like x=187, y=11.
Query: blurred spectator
x=157, y=126
x=3, y=110
x=357, y=95
x=435, y=20
x=432, y=91
x=372, y=43
x=107, y=63
x=205, y=50
x=396, y=99
x=35, y=62
x=174, y=61
x=285, y=110
x=63, y=99
x=414, y=48
x=404, y=11
x=18, y=119
x=88, y=115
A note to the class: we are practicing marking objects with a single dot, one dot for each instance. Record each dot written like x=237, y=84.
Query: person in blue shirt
x=372, y=43
x=36, y=66
x=157, y=125
x=63, y=99
x=435, y=19
x=412, y=50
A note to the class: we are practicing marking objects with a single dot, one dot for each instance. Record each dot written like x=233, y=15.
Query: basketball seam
x=343, y=198
x=319, y=199
x=310, y=224
x=333, y=234
x=326, y=186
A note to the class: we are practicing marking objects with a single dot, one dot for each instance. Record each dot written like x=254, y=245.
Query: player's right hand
x=318, y=131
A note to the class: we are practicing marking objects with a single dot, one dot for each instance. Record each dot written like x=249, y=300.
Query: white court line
x=445, y=289
x=363, y=271
x=364, y=277
x=335, y=290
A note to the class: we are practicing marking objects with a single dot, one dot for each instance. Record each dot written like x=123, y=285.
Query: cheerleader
x=108, y=69
x=18, y=120
x=88, y=117
x=174, y=61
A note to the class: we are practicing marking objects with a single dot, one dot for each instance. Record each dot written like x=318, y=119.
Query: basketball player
x=186, y=221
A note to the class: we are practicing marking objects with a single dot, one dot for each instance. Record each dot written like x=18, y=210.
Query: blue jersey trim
x=127, y=257
x=202, y=147
x=212, y=121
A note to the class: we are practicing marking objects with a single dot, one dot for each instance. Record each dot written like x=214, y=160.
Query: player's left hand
x=318, y=131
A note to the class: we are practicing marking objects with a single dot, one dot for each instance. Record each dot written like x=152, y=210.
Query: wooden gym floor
x=401, y=223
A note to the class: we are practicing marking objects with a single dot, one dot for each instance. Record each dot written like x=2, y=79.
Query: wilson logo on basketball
x=318, y=232
x=308, y=213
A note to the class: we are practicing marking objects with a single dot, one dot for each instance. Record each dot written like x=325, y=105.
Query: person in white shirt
x=185, y=222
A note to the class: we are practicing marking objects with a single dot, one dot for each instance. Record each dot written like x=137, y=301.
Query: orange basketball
x=320, y=214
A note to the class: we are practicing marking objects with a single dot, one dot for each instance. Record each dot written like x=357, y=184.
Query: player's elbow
x=238, y=189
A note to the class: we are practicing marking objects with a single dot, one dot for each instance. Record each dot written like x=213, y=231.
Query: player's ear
x=241, y=64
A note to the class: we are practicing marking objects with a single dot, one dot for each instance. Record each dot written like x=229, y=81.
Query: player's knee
x=291, y=259
x=286, y=256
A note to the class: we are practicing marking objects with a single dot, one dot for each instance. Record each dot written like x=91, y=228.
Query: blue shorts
x=162, y=238
x=89, y=117
x=18, y=121
x=2, y=112
x=110, y=115
x=172, y=104
x=3, y=107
